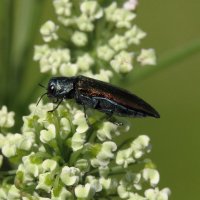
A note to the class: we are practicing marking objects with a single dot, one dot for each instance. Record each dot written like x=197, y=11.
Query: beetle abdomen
x=120, y=101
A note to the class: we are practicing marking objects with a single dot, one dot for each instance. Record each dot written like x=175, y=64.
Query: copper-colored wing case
x=95, y=88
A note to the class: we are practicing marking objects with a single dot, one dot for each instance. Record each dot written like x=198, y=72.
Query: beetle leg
x=109, y=113
x=86, y=117
x=115, y=121
x=112, y=119
x=93, y=103
x=84, y=109
x=88, y=101
x=59, y=102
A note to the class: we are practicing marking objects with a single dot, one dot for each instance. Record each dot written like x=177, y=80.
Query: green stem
x=125, y=142
x=117, y=170
x=171, y=58
x=113, y=171
x=32, y=26
x=7, y=173
x=6, y=39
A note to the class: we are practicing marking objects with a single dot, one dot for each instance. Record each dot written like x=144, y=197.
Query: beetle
x=98, y=95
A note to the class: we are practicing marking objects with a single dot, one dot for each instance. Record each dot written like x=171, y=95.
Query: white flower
x=41, y=111
x=135, y=196
x=95, y=183
x=80, y=121
x=13, y=193
x=134, y=35
x=30, y=168
x=49, y=165
x=49, y=61
x=130, y=4
x=104, y=171
x=79, y=38
x=11, y=142
x=137, y=181
x=9, y=150
x=110, y=10
x=70, y=175
x=67, y=21
x=78, y=140
x=83, y=165
x=45, y=182
x=109, y=184
x=91, y=9
x=104, y=75
x=151, y=175
x=27, y=141
x=105, y=154
x=118, y=42
x=147, y=57
x=122, y=62
x=84, y=62
x=49, y=134
x=84, y=24
x=40, y=51
x=123, y=18
x=140, y=145
x=6, y=118
x=65, y=127
x=105, y=52
x=84, y=191
x=62, y=195
x=125, y=157
x=48, y=31
x=105, y=131
x=128, y=184
x=53, y=59
x=3, y=194
x=155, y=194
x=106, y=183
x=123, y=192
x=68, y=69
x=64, y=55
x=62, y=7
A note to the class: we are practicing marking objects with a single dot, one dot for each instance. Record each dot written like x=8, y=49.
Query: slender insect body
x=99, y=95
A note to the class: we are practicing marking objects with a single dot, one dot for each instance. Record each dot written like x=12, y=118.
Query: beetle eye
x=52, y=88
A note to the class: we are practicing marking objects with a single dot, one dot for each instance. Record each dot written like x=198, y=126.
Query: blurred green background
x=172, y=26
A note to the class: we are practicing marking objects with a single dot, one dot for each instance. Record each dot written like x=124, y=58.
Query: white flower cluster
x=137, y=149
x=60, y=155
x=91, y=48
x=48, y=31
x=6, y=118
x=62, y=159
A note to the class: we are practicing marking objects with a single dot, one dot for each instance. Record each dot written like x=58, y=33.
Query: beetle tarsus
x=86, y=117
x=114, y=121
x=50, y=111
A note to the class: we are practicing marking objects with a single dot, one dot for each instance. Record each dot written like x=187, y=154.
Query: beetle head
x=59, y=87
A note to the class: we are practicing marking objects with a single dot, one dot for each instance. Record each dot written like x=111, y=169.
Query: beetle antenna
x=41, y=98
x=42, y=85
